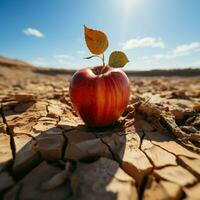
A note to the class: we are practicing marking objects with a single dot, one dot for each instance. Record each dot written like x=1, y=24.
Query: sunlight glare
x=128, y=8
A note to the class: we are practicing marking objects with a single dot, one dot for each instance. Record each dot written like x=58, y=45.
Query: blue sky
x=153, y=33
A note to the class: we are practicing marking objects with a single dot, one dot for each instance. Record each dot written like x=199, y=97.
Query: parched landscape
x=46, y=151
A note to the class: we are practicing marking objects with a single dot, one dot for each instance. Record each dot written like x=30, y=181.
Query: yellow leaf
x=118, y=59
x=96, y=41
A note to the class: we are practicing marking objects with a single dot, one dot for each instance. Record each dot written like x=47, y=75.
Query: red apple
x=99, y=98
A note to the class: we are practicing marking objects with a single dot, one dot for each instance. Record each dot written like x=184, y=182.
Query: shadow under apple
x=94, y=171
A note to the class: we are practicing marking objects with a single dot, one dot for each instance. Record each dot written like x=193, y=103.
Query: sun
x=130, y=3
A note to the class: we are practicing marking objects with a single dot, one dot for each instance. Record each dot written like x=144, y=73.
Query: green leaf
x=118, y=59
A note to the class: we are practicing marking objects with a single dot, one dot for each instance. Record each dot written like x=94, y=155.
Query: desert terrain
x=46, y=151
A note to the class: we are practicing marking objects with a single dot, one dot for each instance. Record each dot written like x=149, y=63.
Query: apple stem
x=104, y=66
x=103, y=60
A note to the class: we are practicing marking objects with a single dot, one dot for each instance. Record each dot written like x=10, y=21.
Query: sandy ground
x=46, y=152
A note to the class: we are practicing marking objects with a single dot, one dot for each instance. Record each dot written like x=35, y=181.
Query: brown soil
x=46, y=152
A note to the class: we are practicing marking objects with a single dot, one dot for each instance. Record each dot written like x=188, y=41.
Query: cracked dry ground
x=46, y=152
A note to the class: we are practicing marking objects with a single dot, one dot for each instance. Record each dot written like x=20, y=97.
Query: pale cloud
x=196, y=63
x=178, y=51
x=40, y=62
x=33, y=32
x=80, y=52
x=64, y=59
x=185, y=48
x=60, y=60
x=143, y=42
x=64, y=56
x=168, y=59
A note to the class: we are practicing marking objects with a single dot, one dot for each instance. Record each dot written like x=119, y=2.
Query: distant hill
x=172, y=72
x=7, y=62
x=150, y=73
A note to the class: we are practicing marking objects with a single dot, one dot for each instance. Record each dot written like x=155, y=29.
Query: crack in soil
x=167, y=124
x=142, y=185
x=12, y=142
x=154, y=167
x=109, y=149
x=146, y=153
x=141, y=140
x=179, y=162
x=47, y=107
x=64, y=145
x=141, y=188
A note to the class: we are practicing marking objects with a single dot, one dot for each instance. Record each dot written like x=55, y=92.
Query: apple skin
x=99, y=99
